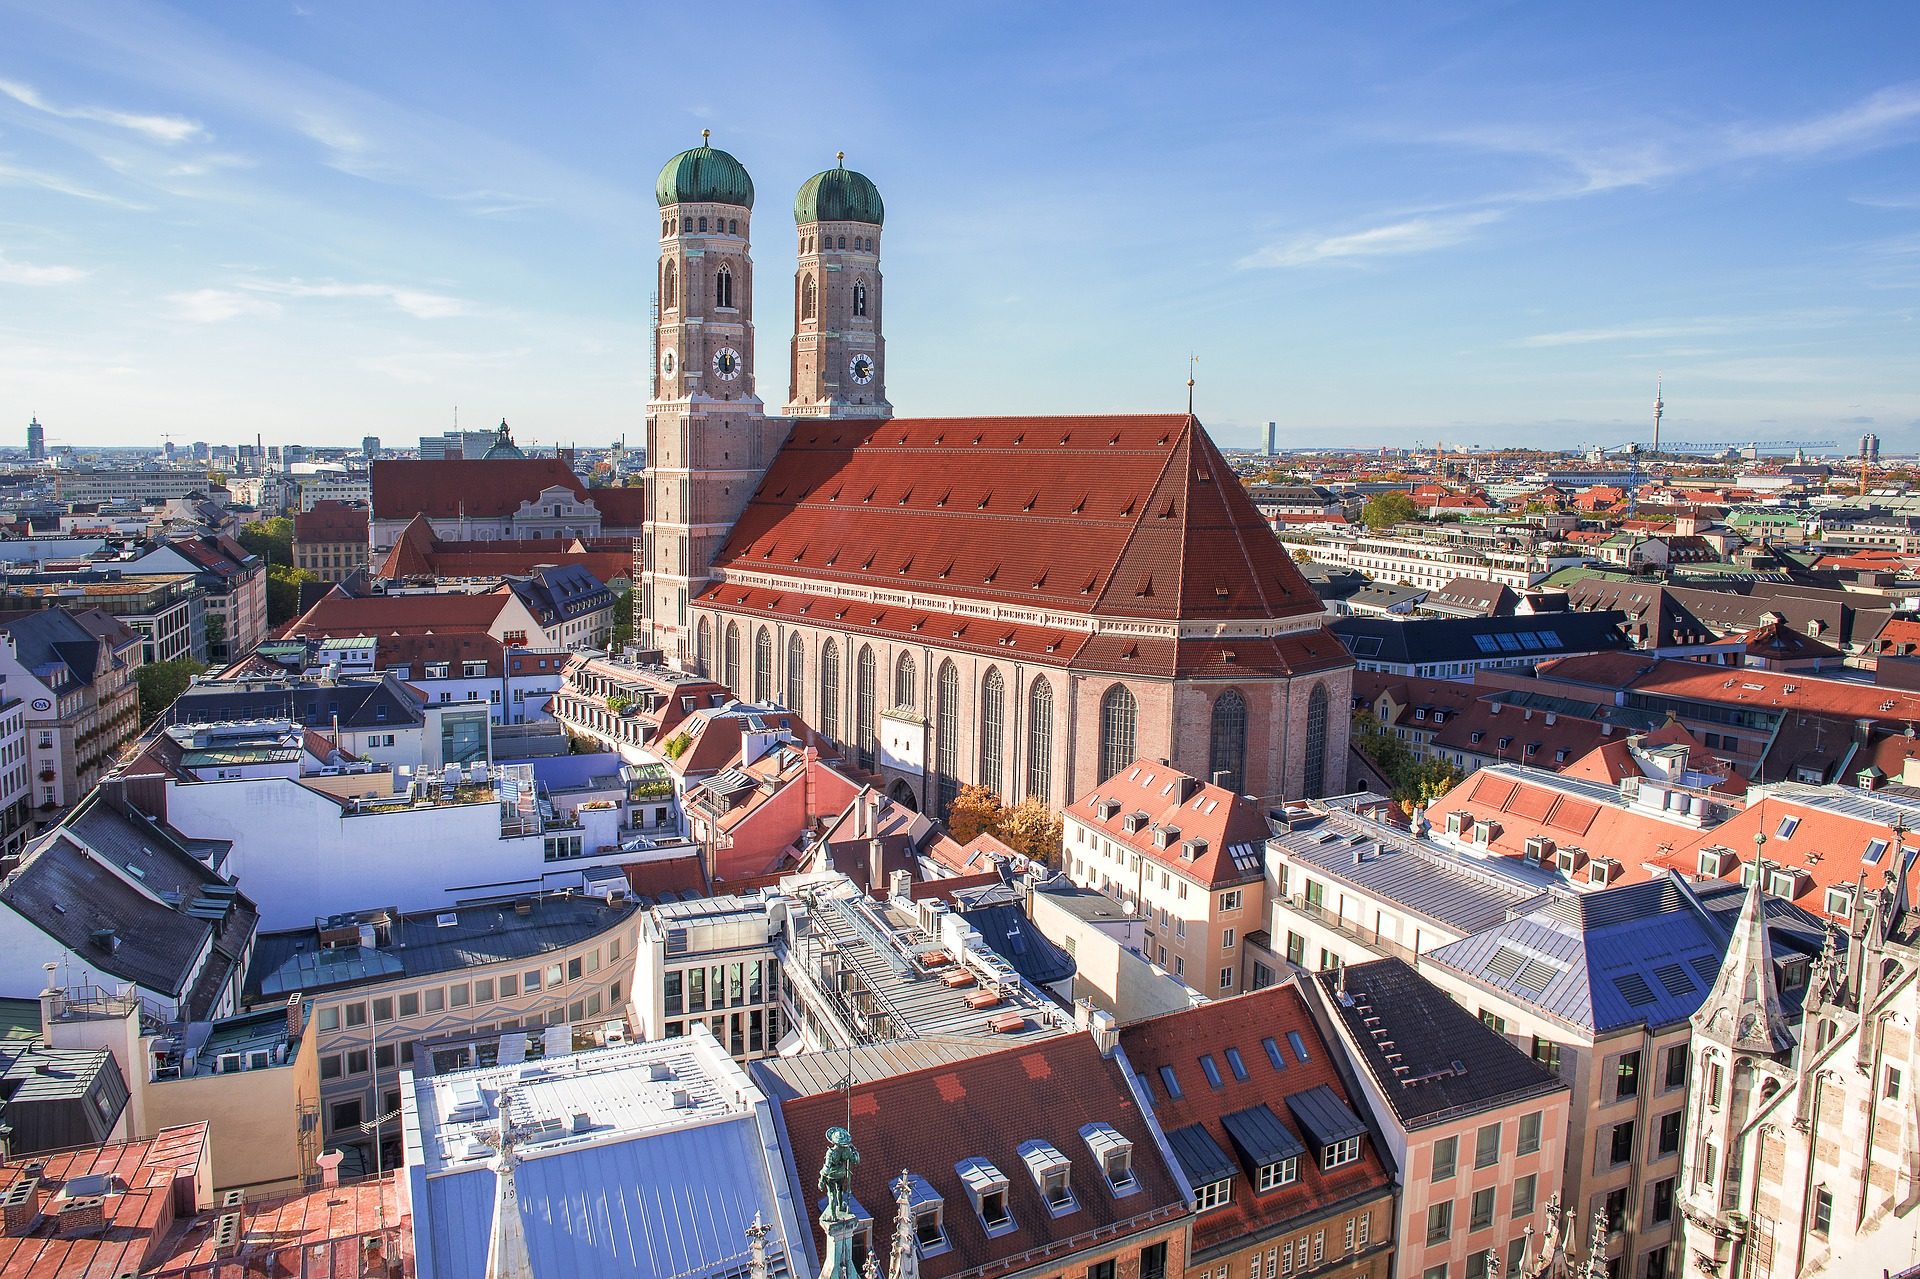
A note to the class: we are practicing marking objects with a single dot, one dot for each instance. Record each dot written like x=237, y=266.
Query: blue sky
x=1484, y=223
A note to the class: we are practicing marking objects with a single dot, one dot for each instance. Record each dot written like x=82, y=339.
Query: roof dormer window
x=929, y=1216
x=1215, y=1194
x=1114, y=1154
x=987, y=1186
x=1052, y=1176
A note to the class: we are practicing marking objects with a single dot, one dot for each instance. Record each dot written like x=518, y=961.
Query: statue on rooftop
x=836, y=1172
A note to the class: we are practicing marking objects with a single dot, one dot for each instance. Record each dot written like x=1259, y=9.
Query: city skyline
x=1480, y=225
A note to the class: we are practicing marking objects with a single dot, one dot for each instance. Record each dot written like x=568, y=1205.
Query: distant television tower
x=1659, y=407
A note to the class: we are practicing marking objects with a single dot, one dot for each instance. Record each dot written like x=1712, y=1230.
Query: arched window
x=703, y=224
x=763, y=666
x=1314, y=780
x=670, y=286
x=843, y=241
x=1227, y=741
x=664, y=224
x=733, y=226
x=830, y=690
x=808, y=297
x=905, y=694
x=946, y=735
x=1040, y=739
x=730, y=659
x=993, y=710
x=865, y=734
x=859, y=299
x=703, y=647
x=723, y=287
x=1117, y=713
x=796, y=674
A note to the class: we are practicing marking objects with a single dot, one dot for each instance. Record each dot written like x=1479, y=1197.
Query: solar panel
x=1529, y=640
x=1486, y=644
x=1505, y=963
x=1551, y=639
x=1508, y=643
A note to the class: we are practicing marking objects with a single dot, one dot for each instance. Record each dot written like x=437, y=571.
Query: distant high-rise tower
x=1659, y=407
x=1273, y=438
x=36, y=440
x=1870, y=447
x=369, y=445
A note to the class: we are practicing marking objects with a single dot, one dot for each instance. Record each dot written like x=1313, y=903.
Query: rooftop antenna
x=1191, y=361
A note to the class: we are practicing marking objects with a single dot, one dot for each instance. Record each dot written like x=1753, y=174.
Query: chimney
x=296, y=1017
x=83, y=1216
x=900, y=886
x=21, y=1203
x=808, y=785
x=1082, y=1014
x=1106, y=1034
x=53, y=1002
x=876, y=864
x=329, y=1165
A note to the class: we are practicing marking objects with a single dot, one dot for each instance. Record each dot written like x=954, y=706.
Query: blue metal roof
x=676, y=1203
x=1012, y=935
x=1200, y=1155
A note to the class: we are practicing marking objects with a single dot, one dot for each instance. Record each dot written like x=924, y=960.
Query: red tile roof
x=414, y=651
x=141, y=1214
x=986, y=1107
x=1179, y=809
x=355, y=1229
x=1732, y=686
x=673, y=875
x=1822, y=848
x=338, y=615
x=417, y=552
x=1178, y=1041
x=331, y=521
x=1109, y=516
x=403, y=488
x=1522, y=805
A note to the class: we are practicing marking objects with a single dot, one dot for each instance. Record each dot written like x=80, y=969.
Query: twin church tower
x=709, y=437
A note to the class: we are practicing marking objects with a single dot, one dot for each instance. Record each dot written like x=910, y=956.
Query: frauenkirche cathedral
x=1026, y=602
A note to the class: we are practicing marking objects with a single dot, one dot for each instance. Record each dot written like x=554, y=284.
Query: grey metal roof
x=1538, y=637
x=1200, y=1155
x=1383, y=862
x=1324, y=1117
x=1260, y=1137
x=808, y=1074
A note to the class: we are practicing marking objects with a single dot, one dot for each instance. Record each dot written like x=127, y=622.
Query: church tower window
x=860, y=299
x=946, y=746
x=1227, y=740
x=1314, y=782
x=1040, y=739
x=763, y=666
x=1117, y=715
x=843, y=241
x=830, y=690
x=723, y=287
x=808, y=299
x=670, y=286
x=865, y=736
x=993, y=697
x=796, y=673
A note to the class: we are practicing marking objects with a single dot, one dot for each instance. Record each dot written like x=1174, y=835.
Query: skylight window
x=1211, y=1069
x=1787, y=826
x=1876, y=849
x=1234, y=1063
x=1298, y=1045
x=1171, y=1083
x=1273, y=1053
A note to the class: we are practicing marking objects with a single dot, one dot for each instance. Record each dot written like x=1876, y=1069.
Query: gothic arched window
x=904, y=680
x=1040, y=739
x=865, y=731
x=946, y=734
x=860, y=299
x=1227, y=741
x=808, y=298
x=723, y=287
x=1314, y=782
x=702, y=646
x=993, y=699
x=1116, y=730
x=796, y=673
x=730, y=659
x=670, y=286
x=763, y=666
x=830, y=690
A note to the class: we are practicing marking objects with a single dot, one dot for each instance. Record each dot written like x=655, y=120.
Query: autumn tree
x=974, y=809
x=1384, y=510
x=1033, y=830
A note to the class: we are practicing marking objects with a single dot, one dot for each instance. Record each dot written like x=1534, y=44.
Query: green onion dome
x=839, y=195
x=704, y=175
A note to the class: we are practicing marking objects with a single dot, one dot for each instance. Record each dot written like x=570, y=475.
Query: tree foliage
x=622, y=622
x=1384, y=510
x=271, y=540
x=1029, y=827
x=283, y=592
x=973, y=810
x=1416, y=778
x=161, y=684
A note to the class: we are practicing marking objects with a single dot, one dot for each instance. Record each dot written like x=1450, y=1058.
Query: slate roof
x=1655, y=616
x=1403, y=641
x=1431, y=1058
x=1009, y=933
x=561, y=593
x=1272, y=1035
x=67, y=892
x=1110, y=516
x=1473, y=597
x=987, y=1107
x=62, y=647
x=1642, y=954
x=361, y=701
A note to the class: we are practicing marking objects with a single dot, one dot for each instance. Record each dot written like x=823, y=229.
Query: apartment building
x=1430, y=559
x=74, y=673
x=330, y=540
x=626, y=705
x=712, y=961
x=130, y=486
x=1187, y=854
x=395, y=991
x=166, y=610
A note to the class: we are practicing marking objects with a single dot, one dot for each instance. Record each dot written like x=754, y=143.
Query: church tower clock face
x=726, y=363
x=860, y=369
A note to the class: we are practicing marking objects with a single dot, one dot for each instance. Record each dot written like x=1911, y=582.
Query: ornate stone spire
x=836, y=1217
x=905, y=1262
x=1743, y=1009
x=507, y=1249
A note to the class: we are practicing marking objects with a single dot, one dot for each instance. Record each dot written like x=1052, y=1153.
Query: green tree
x=161, y=684
x=622, y=622
x=1415, y=778
x=271, y=540
x=1384, y=510
x=283, y=592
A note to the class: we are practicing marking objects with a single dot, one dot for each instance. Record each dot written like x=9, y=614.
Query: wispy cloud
x=419, y=303
x=1411, y=235
x=12, y=272
x=1868, y=122
x=160, y=128
x=1690, y=327
x=1899, y=203
x=217, y=306
x=13, y=175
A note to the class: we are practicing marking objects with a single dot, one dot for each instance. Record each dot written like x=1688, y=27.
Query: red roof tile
x=1179, y=809
x=403, y=488
x=331, y=521
x=339, y=615
x=1110, y=516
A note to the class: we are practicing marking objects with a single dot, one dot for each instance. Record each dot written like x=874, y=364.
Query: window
x=946, y=731
x=1676, y=1067
x=1439, y=1222
x=1822, y=1211
x=1481, y=1216
x=1486, y=1146
x=1226, y=939
x=1273, y=1176
x=993, y=692
x=1890, y=1087
x=1615, y=1210
x=1669, y=1133
x=1446, y=1154
x=1341, y=1153
x=763, y=666
x=345, y=1114
x=859, y=299
x=723, y=287
x=1788, y=825
x=1227, y=741
x=1226, y=979
x=830, y=690
x=1620, y=1141
x=1101, y=1269
x=357, y=1062
x=809, y=297
x=927, y=1229
x=1153, y=1261
x=1296, y=950
x=330, y=1066
x=730, y=658
x=1171, y=1082
x=670, y=286
x=1040, y=738
x=1314, y=780
x=329, y=1018
x=1529, y=1133
x=796, y=671
x=1230, y=900
x=906, y=681
x=1493, y=1021
x=1117, y=715
x=1479, y=1264
x=1663, y=1201
x=1524, y=1189
x=865, y=734
x=356, y=1014
x=1626, y=1076
x=1212, y=1195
